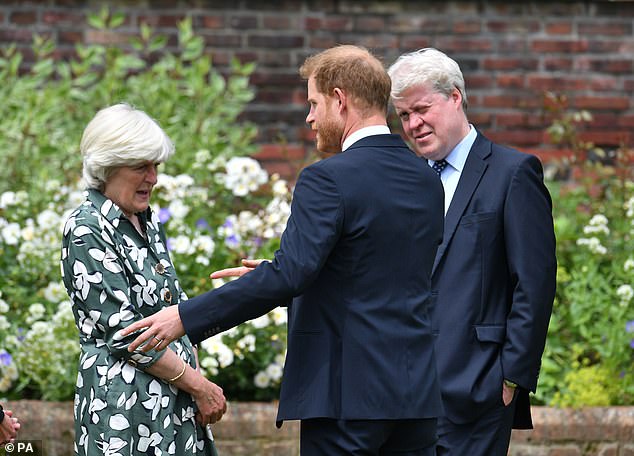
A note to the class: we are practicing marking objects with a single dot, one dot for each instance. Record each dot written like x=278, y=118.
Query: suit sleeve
x=530, y=246
x=311, y=232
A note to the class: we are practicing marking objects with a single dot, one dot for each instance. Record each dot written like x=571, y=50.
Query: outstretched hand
x=247, y=266
x=159, y=330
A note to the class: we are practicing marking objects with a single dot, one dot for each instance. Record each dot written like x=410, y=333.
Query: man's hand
x=507, y=393
x=247, y=266
x=160, y=330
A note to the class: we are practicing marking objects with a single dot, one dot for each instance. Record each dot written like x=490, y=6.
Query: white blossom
x=181, y=244
x=11, y=233
x=261, y=322
x=629, y=207
x=625, y=292
x=262, y=380
x=274, y=371
x=279, y=315
x=178, y=209
x=204, y=244
x=244, y=175
x=247, y=343
x=594, y=244
x=214, y=346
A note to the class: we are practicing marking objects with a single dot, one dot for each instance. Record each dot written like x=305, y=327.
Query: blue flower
x=168, y=244
x=629, y=326
x=632, y=343
x=5, y=358
x=201, y=224
x=232, y=241
x=164, y=215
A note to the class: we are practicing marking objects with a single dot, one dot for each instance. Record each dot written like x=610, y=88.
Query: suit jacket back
x=357, y=255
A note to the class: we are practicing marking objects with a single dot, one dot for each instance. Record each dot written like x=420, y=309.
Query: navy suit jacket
x=356, y=256
x=494, y=276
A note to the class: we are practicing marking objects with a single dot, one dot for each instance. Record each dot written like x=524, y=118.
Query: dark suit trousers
x=329, y=437
x=489, y=435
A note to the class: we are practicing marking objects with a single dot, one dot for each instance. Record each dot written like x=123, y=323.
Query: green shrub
x=591, y=333
x=589, y=385
x=217, y=204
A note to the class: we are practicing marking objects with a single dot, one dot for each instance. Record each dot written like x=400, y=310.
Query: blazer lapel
x=471, y=174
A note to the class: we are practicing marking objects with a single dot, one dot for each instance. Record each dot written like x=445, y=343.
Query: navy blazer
x=356, y=256
x=494, y=276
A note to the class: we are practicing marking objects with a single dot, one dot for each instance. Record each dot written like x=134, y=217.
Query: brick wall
x=511, y=53
x=248, y=429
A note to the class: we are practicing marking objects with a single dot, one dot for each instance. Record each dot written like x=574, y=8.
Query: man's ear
x=456, y=96
x=339, y=97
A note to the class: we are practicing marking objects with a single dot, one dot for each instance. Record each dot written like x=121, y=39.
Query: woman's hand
x=208, y=396
x=211, y=402
x=8, y=428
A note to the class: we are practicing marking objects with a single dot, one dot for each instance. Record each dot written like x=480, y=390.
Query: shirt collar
x=458, y=156
x=363, y=132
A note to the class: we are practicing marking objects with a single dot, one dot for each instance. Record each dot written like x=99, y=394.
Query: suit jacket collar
x=387, y=140
x=473, y=171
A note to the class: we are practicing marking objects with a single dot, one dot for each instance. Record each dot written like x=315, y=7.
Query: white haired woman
x=116, y=269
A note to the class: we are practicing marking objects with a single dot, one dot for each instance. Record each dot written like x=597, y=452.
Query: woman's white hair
x=120, y=135
x=430, y=67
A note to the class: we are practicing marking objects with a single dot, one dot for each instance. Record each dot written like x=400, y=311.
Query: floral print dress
x=115, y=276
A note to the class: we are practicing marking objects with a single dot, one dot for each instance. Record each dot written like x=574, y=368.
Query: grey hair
x=121, y=135
x=427, y=66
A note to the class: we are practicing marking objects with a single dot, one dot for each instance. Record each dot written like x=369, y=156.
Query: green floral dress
x=113, y=277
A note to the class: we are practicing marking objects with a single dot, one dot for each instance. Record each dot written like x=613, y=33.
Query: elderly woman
x=116, y=269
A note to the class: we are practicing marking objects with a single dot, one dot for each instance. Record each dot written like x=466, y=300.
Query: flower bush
x=590, y=345
x=217, y=204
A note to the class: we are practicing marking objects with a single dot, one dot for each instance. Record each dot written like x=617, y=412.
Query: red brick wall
x=248, y=429
x=511, y=53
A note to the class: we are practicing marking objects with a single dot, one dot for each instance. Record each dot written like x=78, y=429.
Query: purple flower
x=169, y=244
x=629, y=326
x=5, y=358
x=632, y=343
x=164, y=215
x=228, y=223
x=232, y=241
x=201, y=224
